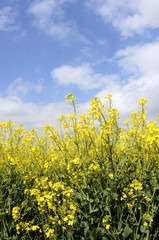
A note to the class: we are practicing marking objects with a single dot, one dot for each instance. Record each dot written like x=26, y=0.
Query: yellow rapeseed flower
x=107, y=226
x=111, y=175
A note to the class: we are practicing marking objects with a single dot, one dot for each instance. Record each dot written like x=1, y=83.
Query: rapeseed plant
x=90, y=179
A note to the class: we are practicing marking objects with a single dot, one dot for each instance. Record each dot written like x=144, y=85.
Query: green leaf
x=93, y=210
x=142, y=229
x=120, y=224
x=138, y=236
x=127, y=231
x=86, y=229
x=78, y=195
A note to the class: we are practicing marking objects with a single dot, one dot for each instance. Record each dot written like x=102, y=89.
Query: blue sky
x=90, y=48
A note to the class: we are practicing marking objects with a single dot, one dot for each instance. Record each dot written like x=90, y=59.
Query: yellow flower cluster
x=136, y=185
x=129, y=193
x=106, y=221
x=148, y=219
x=16, y=213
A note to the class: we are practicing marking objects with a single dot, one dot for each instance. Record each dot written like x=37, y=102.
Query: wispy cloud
x=125, y=97
x=29, y=114
x=7, y=19
x=49, y=16
x=82, y=76
x=20, y=88
x=129, y=17
x=140, y=63
x=141, y=58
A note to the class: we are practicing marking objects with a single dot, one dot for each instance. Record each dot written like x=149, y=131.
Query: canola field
x=87, y=180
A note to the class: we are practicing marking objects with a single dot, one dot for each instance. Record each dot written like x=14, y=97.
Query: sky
x=89, y=48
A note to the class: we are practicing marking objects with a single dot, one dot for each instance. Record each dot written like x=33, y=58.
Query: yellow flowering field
x=87, y=180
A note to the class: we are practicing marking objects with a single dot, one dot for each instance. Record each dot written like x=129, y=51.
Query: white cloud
x=49, y=17
x=83, y=76
x=125, y=98
x=140, y=62
x=129, y=17
x=29, y=114
x=19, y=87
x=7, y=19
x=141, y=58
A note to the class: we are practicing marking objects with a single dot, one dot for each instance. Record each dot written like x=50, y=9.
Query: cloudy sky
x=89, y=48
